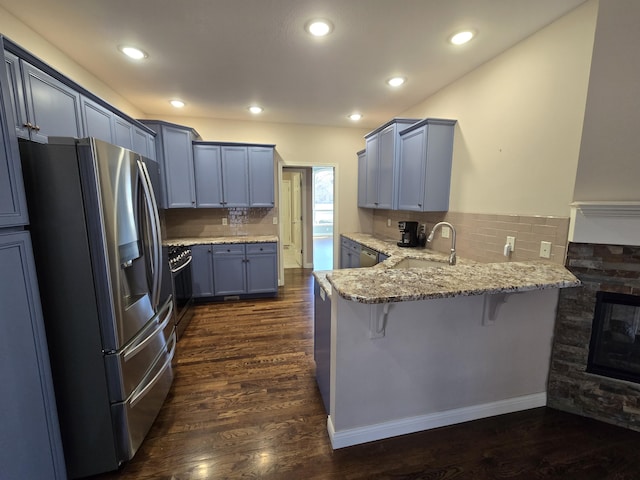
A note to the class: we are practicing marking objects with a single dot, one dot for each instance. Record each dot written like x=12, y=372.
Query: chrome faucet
x=452, y=255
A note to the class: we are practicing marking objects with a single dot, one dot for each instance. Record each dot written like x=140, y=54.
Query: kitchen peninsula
x=416, y=345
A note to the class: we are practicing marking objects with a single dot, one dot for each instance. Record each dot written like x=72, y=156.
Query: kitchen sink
x=419, y=263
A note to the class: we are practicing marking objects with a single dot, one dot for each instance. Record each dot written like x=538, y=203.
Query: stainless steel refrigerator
x=110, y=331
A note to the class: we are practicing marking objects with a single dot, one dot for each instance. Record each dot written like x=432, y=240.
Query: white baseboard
x=393, y=428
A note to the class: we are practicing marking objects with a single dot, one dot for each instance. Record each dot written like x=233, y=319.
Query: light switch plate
x=275, y=220
x=446, y=231
x=224, y=220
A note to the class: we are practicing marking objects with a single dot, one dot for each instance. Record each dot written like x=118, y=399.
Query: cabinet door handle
x=28, y=125
x=36, y=128
x=419, y=204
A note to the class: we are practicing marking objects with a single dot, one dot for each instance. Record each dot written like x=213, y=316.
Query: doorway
x=292, y=218
x=306, y=216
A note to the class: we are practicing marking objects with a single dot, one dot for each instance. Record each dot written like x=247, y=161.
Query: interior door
x=286, y=213
x=296, y=216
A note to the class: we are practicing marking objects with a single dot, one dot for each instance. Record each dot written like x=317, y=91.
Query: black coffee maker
x=408, y=234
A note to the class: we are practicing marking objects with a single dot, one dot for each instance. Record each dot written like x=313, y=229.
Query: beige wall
x=520, y=121
x=31, y=41
x=609, y=166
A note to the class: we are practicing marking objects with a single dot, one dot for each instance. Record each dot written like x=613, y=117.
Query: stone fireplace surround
x=604, y=253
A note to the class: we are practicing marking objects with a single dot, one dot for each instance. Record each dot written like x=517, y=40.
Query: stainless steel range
x=179, y=257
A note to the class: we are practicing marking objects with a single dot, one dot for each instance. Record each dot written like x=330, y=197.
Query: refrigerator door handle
x=132, y=351
x=154, y=221
x=141, y=392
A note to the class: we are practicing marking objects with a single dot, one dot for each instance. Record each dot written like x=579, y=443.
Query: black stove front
x=614, y=350
x=180, y=264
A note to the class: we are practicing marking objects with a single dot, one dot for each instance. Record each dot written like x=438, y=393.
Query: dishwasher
x=368, y=257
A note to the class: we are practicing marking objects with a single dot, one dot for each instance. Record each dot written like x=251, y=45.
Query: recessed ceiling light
x=177, y=103
x=396, y=81
x=133, y=52
x=461, y=38
x=319, y=27
x=355, y=117
x=256, y=109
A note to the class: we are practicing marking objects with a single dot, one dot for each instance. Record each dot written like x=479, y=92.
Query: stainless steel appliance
x=368, y=257
x=179, y=258
x=408, y=234
x=111, y=335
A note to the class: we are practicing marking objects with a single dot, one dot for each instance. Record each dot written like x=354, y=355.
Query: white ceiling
x=219, y=56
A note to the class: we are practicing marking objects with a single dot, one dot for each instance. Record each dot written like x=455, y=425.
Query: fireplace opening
x=614, y=350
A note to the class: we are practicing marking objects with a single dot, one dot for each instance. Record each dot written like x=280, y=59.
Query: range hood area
x=604, y=253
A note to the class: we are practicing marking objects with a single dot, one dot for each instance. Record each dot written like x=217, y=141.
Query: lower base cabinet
x=30, y=442
x=234, y=269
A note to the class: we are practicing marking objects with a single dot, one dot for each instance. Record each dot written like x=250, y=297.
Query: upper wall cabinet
x=175, y=155
x=261, y=177
x=382, y=152
x=44, y=103
x=13, y=206
x=424, y=170
x=36, y=119
x=362, y=177
x=233, y=175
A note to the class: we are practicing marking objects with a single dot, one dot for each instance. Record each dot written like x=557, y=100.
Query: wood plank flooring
x=245, y=405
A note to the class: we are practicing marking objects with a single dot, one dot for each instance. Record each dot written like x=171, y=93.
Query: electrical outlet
x=446, y=231
x=275, y=220
x=545, y=249
x=511, y=241
x=224, y=220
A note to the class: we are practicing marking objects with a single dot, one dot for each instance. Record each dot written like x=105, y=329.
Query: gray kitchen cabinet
x=174, y=152
x=262, y=267
x=229, y=270
x=13, y=206
x=202, y=271
x=207, y=165
x=234, y=269
x=97, y=121
x=52, y=108
x=362, y=177
x=144, y=143
x=322, y=341
x=424, y=168
x=349, y=253
x=30, y=442
x=123, y=134
x=235, y=176
x=261, y=177
x=382, y=152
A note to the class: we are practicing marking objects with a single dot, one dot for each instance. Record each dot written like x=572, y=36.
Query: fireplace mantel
x=605, y=222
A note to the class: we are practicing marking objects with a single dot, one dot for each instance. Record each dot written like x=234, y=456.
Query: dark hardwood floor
x=245, y=405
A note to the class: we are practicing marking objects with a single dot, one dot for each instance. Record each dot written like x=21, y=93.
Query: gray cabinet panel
x=386, y=161
x=362, y=178
x=30, y=444
x=16, y=94
x=235, y=176
x=207, y=164
x=202, y=271
x=262, y=268
x=261, y=177
x=13, y=206
x=322, y=342
x=59, y=115
x=143, y=143
x=371, y=173
x=229, y=272
x=424, y=170
x=97, y=121
x=123, y=135
x=349, y=253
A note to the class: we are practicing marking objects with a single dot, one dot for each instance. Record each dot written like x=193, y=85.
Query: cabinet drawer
x=228, y=249
x=253, y=248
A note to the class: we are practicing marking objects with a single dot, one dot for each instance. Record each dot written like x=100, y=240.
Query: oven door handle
x=181, y=267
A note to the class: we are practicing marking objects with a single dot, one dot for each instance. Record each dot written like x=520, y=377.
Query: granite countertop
x=220, y=240
x=383, y=283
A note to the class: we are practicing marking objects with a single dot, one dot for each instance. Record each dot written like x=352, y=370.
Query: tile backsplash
x=207, y=222
x=482, y=237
